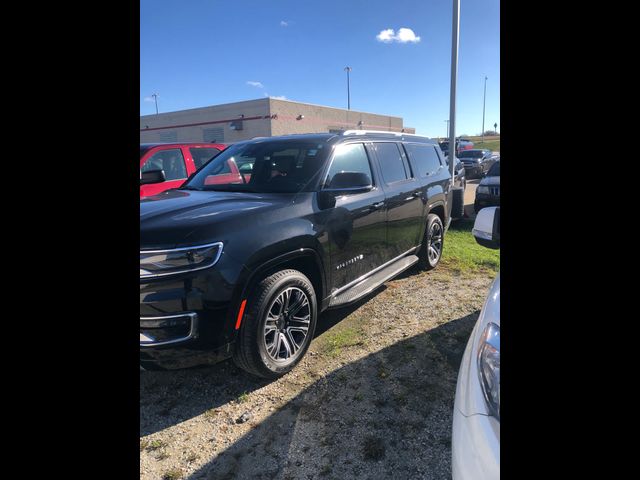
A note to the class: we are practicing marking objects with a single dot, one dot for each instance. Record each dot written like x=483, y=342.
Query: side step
x=369, y=284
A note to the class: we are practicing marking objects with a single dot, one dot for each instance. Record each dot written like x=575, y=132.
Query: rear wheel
x=431, y=250
x=277, y=329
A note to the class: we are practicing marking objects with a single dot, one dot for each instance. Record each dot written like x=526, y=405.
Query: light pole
x=455, y=40
x=483, y=104
x=447, y=122
x=155, y=97
x=495, y=129
x=348, y=69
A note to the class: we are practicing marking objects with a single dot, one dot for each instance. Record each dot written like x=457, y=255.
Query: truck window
x=349, y=158
x=391, y=162
x=424, y=159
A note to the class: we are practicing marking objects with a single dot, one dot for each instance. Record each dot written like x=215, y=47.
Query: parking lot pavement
x=470, y=196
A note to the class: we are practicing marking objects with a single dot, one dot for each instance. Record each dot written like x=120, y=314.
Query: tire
x=258, y=351
x=427, y=261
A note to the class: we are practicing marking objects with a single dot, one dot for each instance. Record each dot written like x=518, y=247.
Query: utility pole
x=495, y=128
x=348, y=69
x=155, y=97
x=455, y=40
x=447, y=122
x=483, y=105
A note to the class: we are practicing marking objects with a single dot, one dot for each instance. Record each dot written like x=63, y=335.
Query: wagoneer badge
x=350, y=262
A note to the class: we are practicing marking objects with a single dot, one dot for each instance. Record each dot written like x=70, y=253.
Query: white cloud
x=386, y=36
x=284, y=23
x=255, y=84
x=279, y=97
x=404, y=35
x=148, y=99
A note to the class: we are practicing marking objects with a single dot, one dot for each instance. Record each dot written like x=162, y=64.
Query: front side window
x=274, y=166
x=171, y=161
x=349, y=158
x=202, y=155
x=391, y=162
x=424, y=159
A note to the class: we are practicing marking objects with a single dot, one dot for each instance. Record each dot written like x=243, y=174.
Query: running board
x=369, y=284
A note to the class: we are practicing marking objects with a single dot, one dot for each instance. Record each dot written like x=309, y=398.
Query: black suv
x=242, y=268
x=476, y=162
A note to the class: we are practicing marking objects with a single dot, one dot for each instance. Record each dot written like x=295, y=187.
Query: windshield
x=285, y=166
x=471, y=154
x=494, y=171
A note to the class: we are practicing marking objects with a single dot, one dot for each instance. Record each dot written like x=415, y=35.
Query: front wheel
x=277, y=329
x=431, y=250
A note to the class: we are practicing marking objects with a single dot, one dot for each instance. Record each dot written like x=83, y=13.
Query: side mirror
x=486, y=228
x=152, y=176
x=344, y=183
x=326, y=200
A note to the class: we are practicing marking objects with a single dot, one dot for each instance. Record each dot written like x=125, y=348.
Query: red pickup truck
x=177, y=161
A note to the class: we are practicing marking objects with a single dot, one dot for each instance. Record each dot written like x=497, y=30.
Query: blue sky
x=197, y=53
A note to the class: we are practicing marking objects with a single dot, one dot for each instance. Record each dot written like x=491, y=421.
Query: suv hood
x=490, y=181
x=178, y=218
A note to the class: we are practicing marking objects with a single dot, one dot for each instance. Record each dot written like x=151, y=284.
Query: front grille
x=495, y=191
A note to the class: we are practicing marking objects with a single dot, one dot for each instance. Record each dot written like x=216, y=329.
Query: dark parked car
x=488, y=191
x=319, y=221
x=461, y=145
x=476, y=162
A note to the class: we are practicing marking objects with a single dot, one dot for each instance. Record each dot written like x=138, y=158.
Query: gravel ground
x=372, y=399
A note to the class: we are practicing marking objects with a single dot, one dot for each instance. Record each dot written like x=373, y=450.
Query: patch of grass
x=162, y=456
x=333, y=343
x=173, y=474
x=463, y=254
x=358, y=396
x=155, y=445
x=490, y=142
x=211, y=413
x=243, y=397
x=373, y=448
x=144, y=443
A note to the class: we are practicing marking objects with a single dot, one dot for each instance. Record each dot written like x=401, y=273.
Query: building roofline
x=267, y=99
x=204, y=108
x=334, y=108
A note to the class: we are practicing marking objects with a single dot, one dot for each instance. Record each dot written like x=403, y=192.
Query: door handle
x=375, y=206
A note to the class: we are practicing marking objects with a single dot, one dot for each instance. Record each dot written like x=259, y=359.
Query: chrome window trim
x=193, y=331
x=220, y=246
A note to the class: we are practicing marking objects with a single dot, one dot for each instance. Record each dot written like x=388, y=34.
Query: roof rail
x=395, y=134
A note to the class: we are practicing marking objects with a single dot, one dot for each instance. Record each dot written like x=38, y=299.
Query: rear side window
x=203, y=155
x=171, y=161
x=349, y=158
x=423, y=158
x=391, y=162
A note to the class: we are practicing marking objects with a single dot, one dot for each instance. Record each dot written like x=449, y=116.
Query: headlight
x=489, y=367
x=157, y=263
x=483, y=189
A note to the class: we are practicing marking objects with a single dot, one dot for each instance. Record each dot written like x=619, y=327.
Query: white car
x=475, y=442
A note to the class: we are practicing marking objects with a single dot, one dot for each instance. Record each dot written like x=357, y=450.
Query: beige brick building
x=265, y=117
